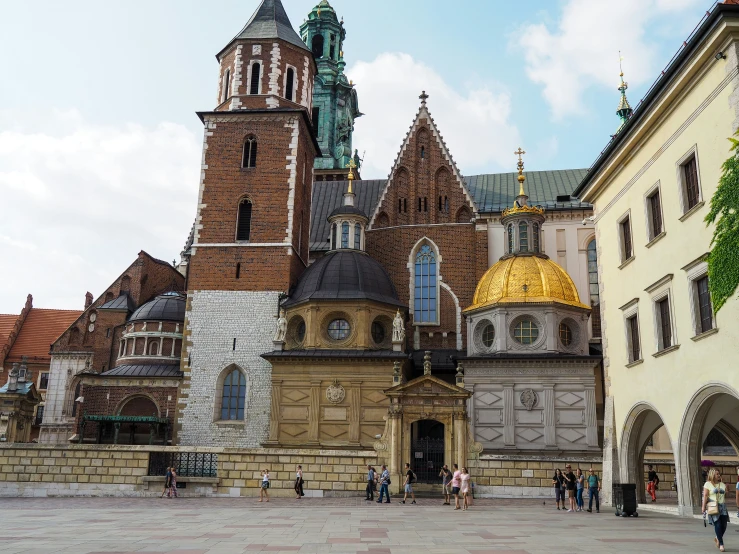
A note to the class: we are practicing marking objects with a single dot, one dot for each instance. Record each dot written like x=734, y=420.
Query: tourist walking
x=384, y=482
x=173, y=483
x=571, y=484
x=299, y=483
x=167, y=479
x=580, y=490
x=446, y=477
x=714, y=505
x=263, y=491
x=652, y=482
x=594, y=490
x=370, y=483
x=456, y=485
x=464, y=488
x=559, y=487
x=410, y=477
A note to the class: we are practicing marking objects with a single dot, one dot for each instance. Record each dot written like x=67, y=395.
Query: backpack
x=413, y=477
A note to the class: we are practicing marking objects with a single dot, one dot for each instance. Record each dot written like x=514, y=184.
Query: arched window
x=593, y=283
x=317, y=46
x=243, y=225
x=233, y=396
x=510, y=238
x=536, y=237
x=334, y=238
x=425, y=286
x=225, y=85
x=345, y=235
x=256, y=69
x=249, y=156
x=290, y=84
x=523, y=237
x=154, y=348
x=357, y=236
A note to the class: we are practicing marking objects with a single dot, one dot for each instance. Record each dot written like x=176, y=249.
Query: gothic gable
x=424, y=186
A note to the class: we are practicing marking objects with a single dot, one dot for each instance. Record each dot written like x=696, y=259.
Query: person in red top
x=456, y=484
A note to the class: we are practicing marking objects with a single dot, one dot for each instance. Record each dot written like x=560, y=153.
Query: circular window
x=300, y=332
x=565, y=334
x=526, y=332
x=339, y=329
x=378, y=332
x=488, y=335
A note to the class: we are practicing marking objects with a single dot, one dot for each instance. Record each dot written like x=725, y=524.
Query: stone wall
x=107, y=470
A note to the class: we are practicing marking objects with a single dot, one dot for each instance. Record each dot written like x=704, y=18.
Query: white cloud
x=583, y=50
x=475, y=125
x=79, y=201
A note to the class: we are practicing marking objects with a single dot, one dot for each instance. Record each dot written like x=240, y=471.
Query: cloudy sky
x=100, y=145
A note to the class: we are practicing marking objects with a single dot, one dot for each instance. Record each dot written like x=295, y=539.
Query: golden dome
x=521, y=279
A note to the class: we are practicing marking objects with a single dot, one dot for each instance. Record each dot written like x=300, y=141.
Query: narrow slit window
x=255, y=75
x=243, y=225
x=314, y=120
x=250, y=153
x=345, y=235
x=290, y=84
x=523, y=237
x=510, y=238
x=238, y=270
x=357, y=236
x=226, y=84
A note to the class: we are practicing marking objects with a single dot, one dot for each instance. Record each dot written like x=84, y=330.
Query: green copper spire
x=624, y=110
x=335, y=105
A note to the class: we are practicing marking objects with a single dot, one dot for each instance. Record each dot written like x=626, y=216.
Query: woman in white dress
x=465, y=488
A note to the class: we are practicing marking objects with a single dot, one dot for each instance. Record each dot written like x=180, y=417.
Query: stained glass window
x=233, y=396
x=425, y=286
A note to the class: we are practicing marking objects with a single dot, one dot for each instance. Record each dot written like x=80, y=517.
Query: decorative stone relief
x=335, y=393
x=529, y=399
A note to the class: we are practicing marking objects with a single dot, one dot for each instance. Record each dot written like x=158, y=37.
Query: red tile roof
x=41, y=328
x=7, y=321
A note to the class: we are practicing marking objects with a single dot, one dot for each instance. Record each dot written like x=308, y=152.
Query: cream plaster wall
x=698, y=110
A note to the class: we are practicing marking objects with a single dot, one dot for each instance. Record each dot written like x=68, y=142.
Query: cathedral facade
x=429, y=312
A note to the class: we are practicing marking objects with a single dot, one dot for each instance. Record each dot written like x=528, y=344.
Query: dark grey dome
x=348, y=210
x=344, y=275
x=165, y=307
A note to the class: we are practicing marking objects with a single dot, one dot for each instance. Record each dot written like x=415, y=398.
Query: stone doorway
x=427, y=450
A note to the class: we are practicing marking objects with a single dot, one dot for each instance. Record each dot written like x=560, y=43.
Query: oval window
x=488, y=335
x=565, y=334
x=378, y=332
x=339, y=329
x=526, y=332
x=300, y=332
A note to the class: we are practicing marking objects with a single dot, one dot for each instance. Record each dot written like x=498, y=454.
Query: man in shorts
x=446, y=477
x=409, y=478
x=571, y=481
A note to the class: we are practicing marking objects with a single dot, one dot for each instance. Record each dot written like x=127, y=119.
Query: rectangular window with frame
x=44, y=381
x=632, y=328
x=627, y=248
x=705, y=309
x=39, y=415
x=654, y=209
x=690, y=182
x=664, y=323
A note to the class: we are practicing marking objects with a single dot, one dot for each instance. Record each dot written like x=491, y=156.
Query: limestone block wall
x=226, y=329
x=116, y=470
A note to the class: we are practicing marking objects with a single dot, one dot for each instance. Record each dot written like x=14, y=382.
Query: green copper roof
x=492, y=193
x=269, y=21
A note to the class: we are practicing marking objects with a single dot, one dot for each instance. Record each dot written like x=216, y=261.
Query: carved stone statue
x=281, y=329
x=398, y=328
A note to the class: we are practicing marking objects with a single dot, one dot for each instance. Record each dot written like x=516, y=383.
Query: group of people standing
x=459, y=482
x=572, y=486
x=383, y=480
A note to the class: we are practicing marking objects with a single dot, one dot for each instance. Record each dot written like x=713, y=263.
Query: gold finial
x=521, y=177
x=352, y=166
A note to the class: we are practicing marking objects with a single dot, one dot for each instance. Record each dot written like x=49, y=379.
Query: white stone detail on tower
x=274, y=77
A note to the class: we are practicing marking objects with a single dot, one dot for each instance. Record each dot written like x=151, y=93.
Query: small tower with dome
x=528, y=362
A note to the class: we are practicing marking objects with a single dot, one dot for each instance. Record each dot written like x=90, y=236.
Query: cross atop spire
x=520, y=152
x=423, y=98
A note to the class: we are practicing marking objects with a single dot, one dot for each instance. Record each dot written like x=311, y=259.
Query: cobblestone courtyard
x=198, y=526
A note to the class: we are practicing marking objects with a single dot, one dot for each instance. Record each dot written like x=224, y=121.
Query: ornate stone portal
x=424, y=398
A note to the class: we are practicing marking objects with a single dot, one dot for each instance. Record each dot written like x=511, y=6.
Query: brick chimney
x=88, y=300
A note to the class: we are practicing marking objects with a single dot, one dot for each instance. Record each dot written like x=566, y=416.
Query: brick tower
x=250, y=239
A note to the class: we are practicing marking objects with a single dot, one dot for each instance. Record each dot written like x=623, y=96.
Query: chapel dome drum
x=169, y=306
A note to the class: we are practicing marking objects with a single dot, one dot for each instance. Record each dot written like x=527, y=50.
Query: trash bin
x=624, y=499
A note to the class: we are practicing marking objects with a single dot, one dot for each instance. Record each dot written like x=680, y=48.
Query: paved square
x=350, y=525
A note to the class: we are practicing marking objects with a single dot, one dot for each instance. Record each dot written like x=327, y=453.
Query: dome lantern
x=348, y=223
x=522, y=222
